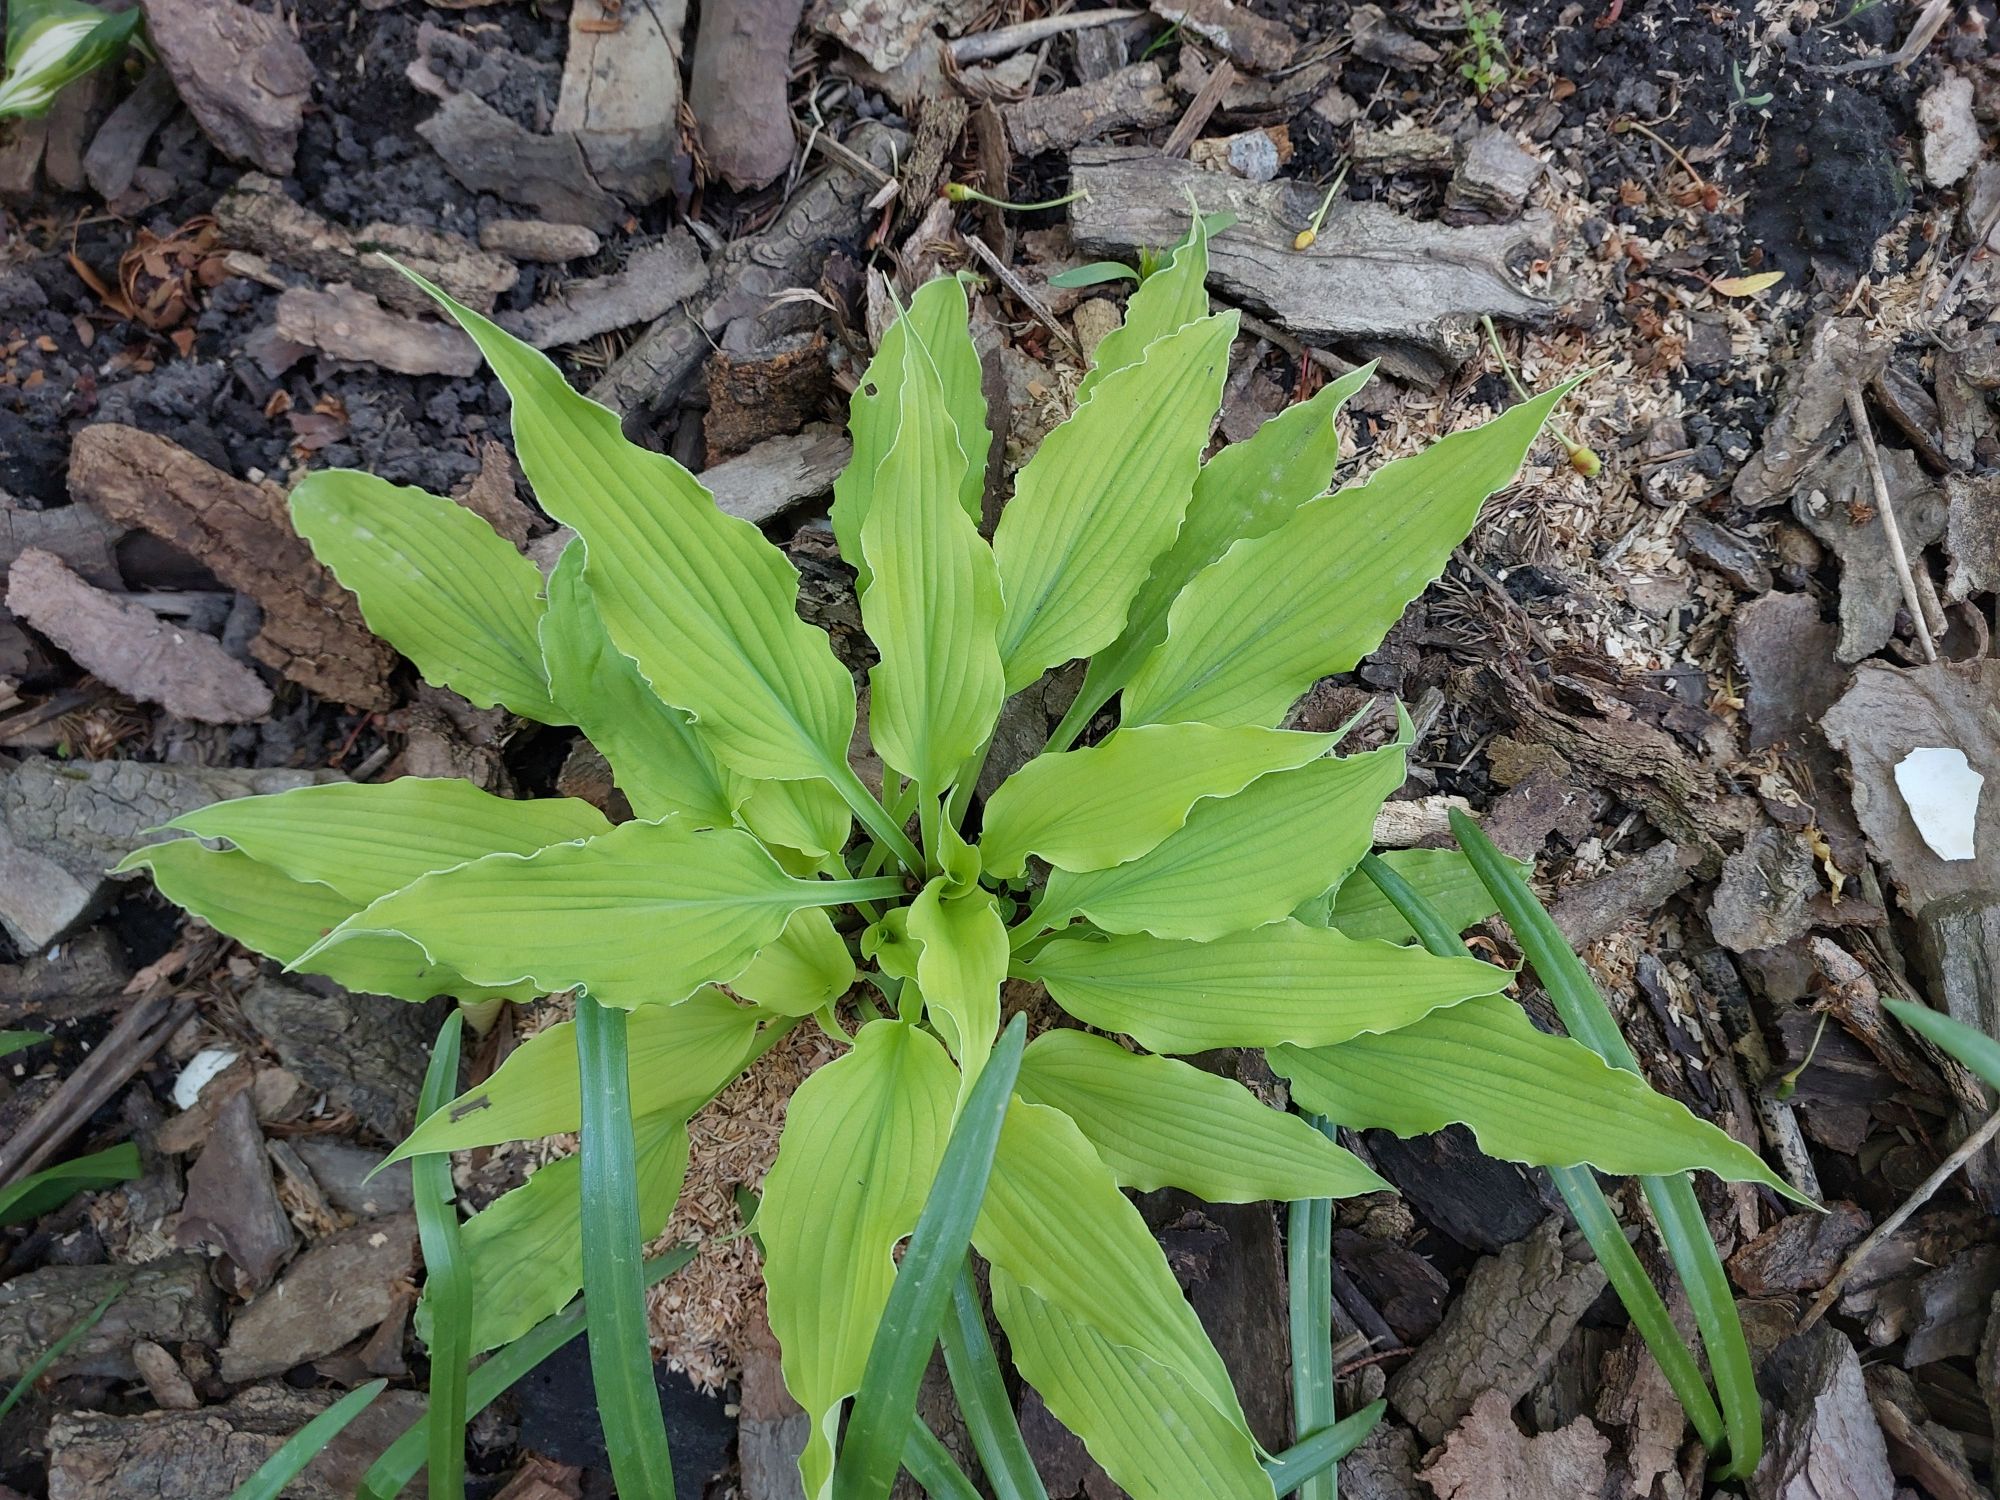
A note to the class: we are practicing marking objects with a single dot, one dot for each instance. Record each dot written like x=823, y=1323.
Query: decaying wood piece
x=313, y=631
x=115, y=151
x=1810, y=416
x=170, y=1299
x=131, y=648
x=1488, y=1456
x=538, y=240
x=1134, y=96
x=241, y=73
x=1493, y=178
x=1242, y=35
x=736, y=88
x=621, y=92
x=1401, y=153
x=779, y=473
x=492, y=496
x=1511, y=1319
x=491, y=153
x=772, y=393
x=256, y=215
x=75, y=533
x=333, y=1293
x=655, y=278
x=1825, y=1443
x=1370, y=275
x=348, y=323
x=744, y=277
x=232, y=1206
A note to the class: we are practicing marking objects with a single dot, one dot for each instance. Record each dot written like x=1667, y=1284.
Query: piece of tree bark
x=1370, y=274
x=129, y=647
x=819, y=218
x=348, y=323
x=1925, y=1452
x=764, y=396
x=256, y=215
x=170, y=1300
x=312, y=631
x=492, y=496
x=1825, y=1443
x=491, y=153
x=777, y=474
x=1242, y=35
x=241, y=72
x=538, y=240
x=363, y=1053
x=335, y=1292
x=742, y=60
x=1510, y=1321
x=1811, y=413
x=1132, y=97
x=121, y=141
x=621, y=92
x=75, y=533
x=655, y=279
x=1488, y=1458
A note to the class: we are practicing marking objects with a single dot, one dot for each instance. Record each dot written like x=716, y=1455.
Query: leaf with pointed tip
x=1101, y=806
x=1246, y=490
x=365, y=839
x=960, y=969
x=436, y=582
x=932, y=603
x=1240, y=861
x=804, y=815
x=526, y=1247
x=1055, y=1220
x=1543, y=1100
x=1441, y=876
x=1172, y=297
x=807, y=967
x=938, y=318
x=657, y=759
x=1102, y=497
x=1277, y=613
x=700, y=600
x=1151, y=1429
x=1158, y=1123
x=862, y=1140
x=1975, y=1049
x=681, y=1057
x=645, y=913
x=1282, y=982
x=270, y=913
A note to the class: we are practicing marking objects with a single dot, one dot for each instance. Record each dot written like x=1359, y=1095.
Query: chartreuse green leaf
x=435, y=581
x=1102, y=497
x=1093, y=808
x=1153, y=1431
x=862, y=1141
x=1253, y=631
x=1172, y=297
x=932, y=602
x=1240, y=861
x=365, y=839
x=1527, y=1096
x=1282, y=982
x=277, y=1472
x=526, y=1247
x=270, y=913
x=1441, y=877
x=699, y=599
x=681, y=1057
x=1159, y=1123
x=806, y=816
x=807, y=967
x=878, y=1430
x=646, y=912
x=37, y=1193
x=1246, y=490
x=961, y=966
x=1055, y=1221
x=656, y=757
x=938, y=320
x=1975, y=1049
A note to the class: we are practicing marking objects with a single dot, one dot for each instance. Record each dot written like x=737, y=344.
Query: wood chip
x=736, y=91
x=1243, y=36
x=241, y=72
x=1488, y=1458
x=129, y=647
x=538, y=240
x=232, y=1205
x=621, y=92
x=1825, y=1443
x=312, y=631
x=490, y=153
x=347, y=323
x=779, y=473
x=1132, y=97
x=653, y=280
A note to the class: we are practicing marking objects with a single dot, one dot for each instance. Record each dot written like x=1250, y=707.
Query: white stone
x=1942, y=792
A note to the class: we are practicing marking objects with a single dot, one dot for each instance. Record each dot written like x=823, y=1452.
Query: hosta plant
x=1178, y=883
x=52, y=43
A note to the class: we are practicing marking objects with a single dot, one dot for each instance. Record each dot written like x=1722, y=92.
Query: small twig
x=988, y=45
x=1929, y=24
x=1205, y=103
x=1970, y=1147
x=1928, y=622
x=1022, y=291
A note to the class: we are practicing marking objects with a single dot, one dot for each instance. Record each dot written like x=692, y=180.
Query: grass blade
x=303, y=1446
x=1683, y=1229
x=930, y=1463
x=448, y=1272
x=1975, y=1049
x=17, y=1041
x=621, y=1358
x=1309, y=1272
x=1585, y=1198
x=54, y=1186
x=877, y=1427
x=43, y=1361
x=982, y=1398
x=496, y=1375
x=1316, y=1456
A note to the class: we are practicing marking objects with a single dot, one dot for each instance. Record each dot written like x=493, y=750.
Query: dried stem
x=1925, y=613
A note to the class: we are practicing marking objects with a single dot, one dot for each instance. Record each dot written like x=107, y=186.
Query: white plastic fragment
x=1942, y=792
x=200, y=1068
